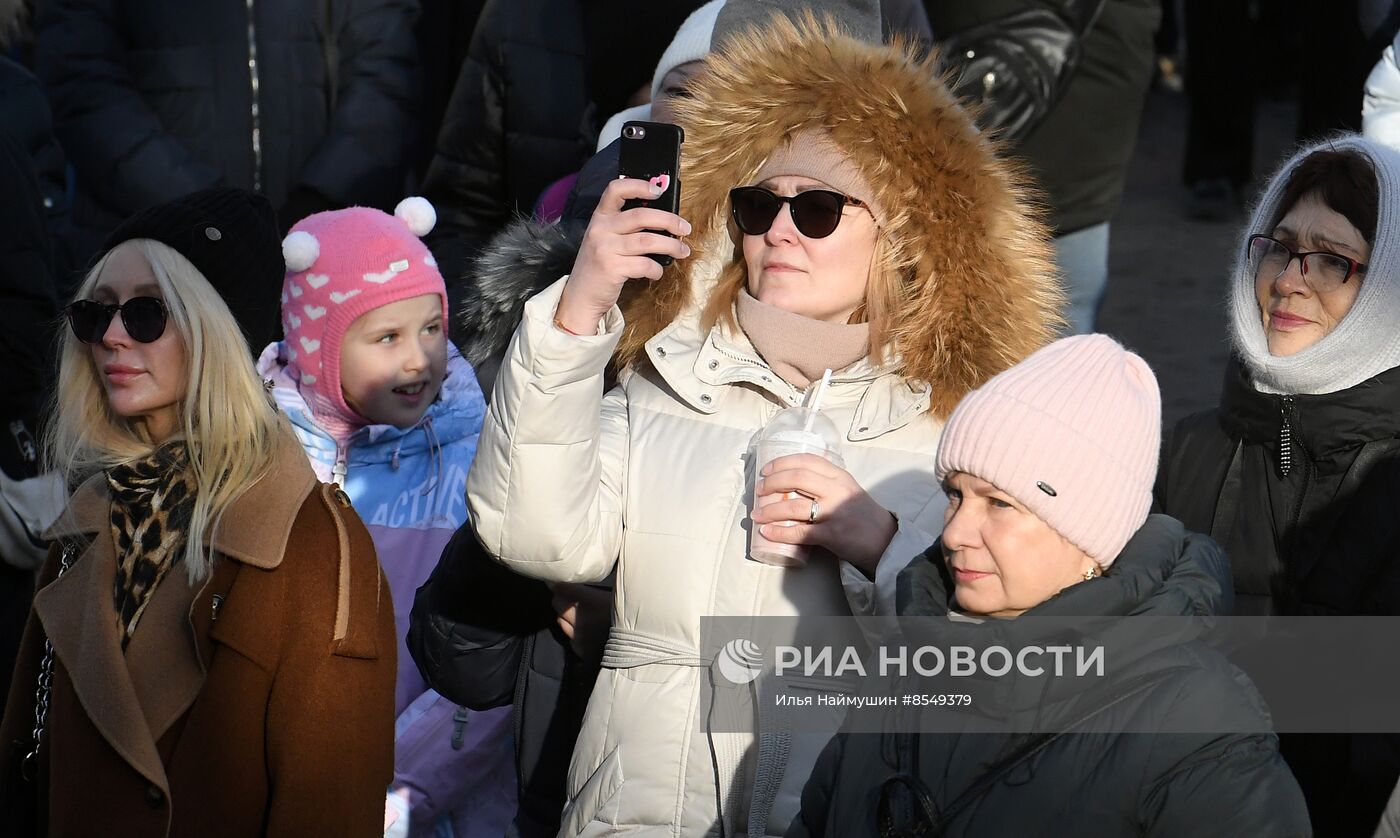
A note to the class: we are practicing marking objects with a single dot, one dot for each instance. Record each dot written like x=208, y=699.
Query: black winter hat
x=231, y=236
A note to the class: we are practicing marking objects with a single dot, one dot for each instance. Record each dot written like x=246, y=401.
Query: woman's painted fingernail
x=758, y=488
x=685, y=227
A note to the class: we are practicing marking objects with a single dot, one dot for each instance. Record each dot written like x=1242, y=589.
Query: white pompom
x=300, y=250
x=418, y=214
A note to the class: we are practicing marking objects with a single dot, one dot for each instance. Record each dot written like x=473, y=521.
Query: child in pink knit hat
x=359, y=284
x=386, y=408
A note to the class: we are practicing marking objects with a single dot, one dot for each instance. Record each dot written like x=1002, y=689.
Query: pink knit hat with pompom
x=1073, y=433
x=341, y=264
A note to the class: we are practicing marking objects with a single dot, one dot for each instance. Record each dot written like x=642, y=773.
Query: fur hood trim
x=979, y=290
x=522, y=260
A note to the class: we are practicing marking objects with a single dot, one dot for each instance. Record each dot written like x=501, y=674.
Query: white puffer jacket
x=656, y=475
x=1380, y=104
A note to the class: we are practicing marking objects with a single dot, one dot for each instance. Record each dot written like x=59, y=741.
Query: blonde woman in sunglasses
x=842, y=213
x=211, y=648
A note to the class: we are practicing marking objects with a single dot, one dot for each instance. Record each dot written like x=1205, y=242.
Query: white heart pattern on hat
x=284, y=298
x=380, y=279
x=317, y=280
x=295, y=289
x=295, y=321
x=338, y=298
x=308, y=378
x=291, y=354
x=309, y=345
x=430, y=261
x=314, y=312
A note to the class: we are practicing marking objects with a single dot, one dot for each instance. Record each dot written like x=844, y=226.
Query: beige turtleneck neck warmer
x=800, y=349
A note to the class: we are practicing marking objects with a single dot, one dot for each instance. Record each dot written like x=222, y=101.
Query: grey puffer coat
x=1085, y=776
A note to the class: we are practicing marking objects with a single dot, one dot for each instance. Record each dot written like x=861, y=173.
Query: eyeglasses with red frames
x=1323, y=270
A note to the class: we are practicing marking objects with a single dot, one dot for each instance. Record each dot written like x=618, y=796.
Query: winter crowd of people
x=330, y=511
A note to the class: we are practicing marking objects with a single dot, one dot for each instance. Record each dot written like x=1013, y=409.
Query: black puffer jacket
x=32, y=256
x=155, y=99
x=1322, y=539
x=25, y=115
x=1093, y=780
x=485, y=637
x=514, y=125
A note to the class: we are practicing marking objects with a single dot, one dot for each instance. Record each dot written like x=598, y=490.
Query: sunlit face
x=393, y=359
x=1003, y=559
x=145, y=382
x=674, y=85
x=822, y=279
x=1294, y=314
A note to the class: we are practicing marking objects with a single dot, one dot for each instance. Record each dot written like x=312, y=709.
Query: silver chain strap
x=45, y=685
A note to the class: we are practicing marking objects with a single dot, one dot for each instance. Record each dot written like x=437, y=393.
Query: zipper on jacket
x=253, y=82
x=342, y=465
x=734, y=356
x=459, y=727
x=1285, y=437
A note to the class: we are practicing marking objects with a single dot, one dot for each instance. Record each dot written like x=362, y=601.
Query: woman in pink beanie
x=1048, y=468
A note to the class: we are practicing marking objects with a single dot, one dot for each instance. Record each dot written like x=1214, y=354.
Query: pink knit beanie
x=341, y=264
x=1073, y=433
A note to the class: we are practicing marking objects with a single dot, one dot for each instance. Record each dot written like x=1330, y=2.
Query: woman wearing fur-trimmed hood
x=880, y=237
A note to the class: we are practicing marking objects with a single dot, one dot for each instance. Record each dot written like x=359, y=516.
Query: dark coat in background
x=31, y=261
x=1084, y=776
x=514, y=125
x=25, y=115
x=258, y=702
x=154, y=99
x=34, y=269
x=1079, y=152
x=1322, y=539
x=486, y=637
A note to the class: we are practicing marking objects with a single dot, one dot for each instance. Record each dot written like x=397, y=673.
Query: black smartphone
x=651, y=151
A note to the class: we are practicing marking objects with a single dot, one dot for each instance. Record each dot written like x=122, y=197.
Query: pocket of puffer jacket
x=599, y=799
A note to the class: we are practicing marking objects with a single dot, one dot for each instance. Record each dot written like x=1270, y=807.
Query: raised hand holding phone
x=616, y=248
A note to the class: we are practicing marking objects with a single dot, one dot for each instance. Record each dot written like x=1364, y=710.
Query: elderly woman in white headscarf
x=1297, y=471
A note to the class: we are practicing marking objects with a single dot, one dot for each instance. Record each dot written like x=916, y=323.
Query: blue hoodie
x=409, y=487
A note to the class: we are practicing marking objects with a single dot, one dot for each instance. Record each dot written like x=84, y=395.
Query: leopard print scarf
x=152, y=501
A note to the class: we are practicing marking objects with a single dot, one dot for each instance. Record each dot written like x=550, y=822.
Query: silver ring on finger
x=812, y=513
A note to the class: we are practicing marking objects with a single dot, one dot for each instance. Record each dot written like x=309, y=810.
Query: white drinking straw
x=817, y=400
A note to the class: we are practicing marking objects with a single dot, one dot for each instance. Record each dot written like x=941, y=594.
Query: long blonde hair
x=227, y=420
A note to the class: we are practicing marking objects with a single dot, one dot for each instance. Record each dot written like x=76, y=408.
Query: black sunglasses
x=143, y=317
x=815, y=212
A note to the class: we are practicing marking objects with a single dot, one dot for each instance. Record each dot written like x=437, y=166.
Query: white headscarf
x=1366, y=342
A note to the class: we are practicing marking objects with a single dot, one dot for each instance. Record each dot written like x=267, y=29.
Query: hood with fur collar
x=979, y=291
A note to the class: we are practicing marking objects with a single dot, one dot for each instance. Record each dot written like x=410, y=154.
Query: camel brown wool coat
x=257, y=702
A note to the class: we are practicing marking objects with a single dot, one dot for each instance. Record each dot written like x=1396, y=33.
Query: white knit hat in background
x=1072, y=433
x=692, y=42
